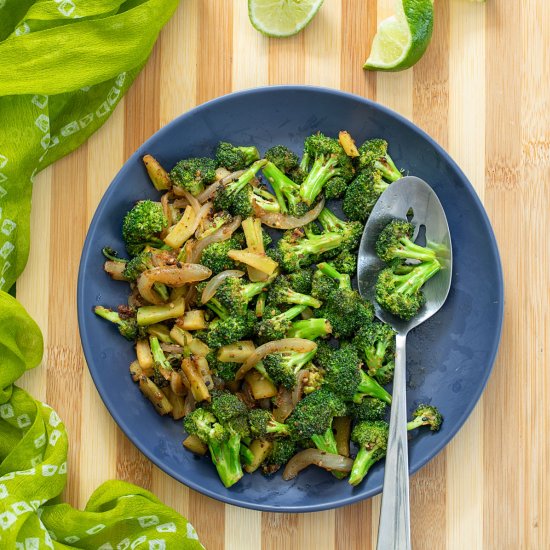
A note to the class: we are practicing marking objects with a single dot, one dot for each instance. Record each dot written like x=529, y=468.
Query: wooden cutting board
x=482, y=91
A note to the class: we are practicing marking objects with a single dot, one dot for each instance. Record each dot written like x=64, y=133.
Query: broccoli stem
x=246, y=454
x=388, y=168
x=317, y=244
x=361, y=465
x=330, y=221
x=226, y=458
x=266, y=201
x=108, y=314
x=309, y=329
x=329, y=271
x=283, y=187
x=321, y=171
x=304, y=163
x=260, y=304
x=412, y=282
x=370, y=387
x=245, y=178
x=413, y=251
x=217, y=308
x=375, y=355
x=158, y=355
x=112, y=255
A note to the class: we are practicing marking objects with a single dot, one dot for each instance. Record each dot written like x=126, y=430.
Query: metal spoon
x=407, y=193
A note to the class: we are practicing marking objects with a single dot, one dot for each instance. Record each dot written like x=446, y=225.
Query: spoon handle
x=394, y=529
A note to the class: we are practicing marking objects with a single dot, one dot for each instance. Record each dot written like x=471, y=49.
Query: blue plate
x=449, y=357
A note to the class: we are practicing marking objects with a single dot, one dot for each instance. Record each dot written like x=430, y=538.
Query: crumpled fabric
x=65, y=65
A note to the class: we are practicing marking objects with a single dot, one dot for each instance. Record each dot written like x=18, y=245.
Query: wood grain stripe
x=503, y=193
x=215, y=51
x=65, y=361
x=287, y=60
x=431, y=112
x=33, y=286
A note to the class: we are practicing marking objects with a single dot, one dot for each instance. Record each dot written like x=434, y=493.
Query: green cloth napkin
x=65, y=64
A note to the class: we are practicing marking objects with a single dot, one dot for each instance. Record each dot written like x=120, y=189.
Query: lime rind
x=282, y=18
x=402, y=39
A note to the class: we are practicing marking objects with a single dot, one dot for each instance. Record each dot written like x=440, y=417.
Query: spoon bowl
x=412, y=199
x=409, y=193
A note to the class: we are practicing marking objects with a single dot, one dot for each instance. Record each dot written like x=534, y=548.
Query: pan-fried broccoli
x=395, y=243
x=374, y=154
x=193, y=174
x=141, y=226
x=372, y=440
x=235, y=158
x=426, y=415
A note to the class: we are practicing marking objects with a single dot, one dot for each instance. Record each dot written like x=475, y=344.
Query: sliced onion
x=190, y=296
x=115, y=270
x=294, y=344
x=216, y=281
x=284, y=405
x=171, y=276
x=210, y=191
x=166, y=207
x=171, y=348
x=222, y=234
x=284, y=221
x=299, y=386
x=203, y=211
x=195, y=204
x=328, y=461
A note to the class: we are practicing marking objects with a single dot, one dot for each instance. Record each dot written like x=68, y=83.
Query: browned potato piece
x=198, y=387
x=238, y=352
x=202, y=366
x=348, y=144
x=260, y=449
x=342, y=432
x=260, y=386
x=198, y=347
x=155, y=395
x=180, y=232
x=195, y=445
x=158, y=175
x=261, y=262
x=193, y=320
x=144, y=357
x=135, y=371
x=177, y=402
x=177, y=385
x=180, y=336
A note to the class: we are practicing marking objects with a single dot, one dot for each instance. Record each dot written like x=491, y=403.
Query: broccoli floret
x=213, y=223
x=127, y=325
x=247, y=200
x=286, y=191
x=193, y=174
x=283, y=366
x=142, y=224
x=402, y=294
x=225, y=371
x=235, y=295
x=224, y=445
x=345, y=262
x=301, y=280
x=342, y=371
x=281, y=292
x=262, y=424
x=372, y=440
x=376, y=342
x=295, y=251
x=274, y=324
x=374, y=154
x=336, y=187
x=228, y=328
x=362, y=194
x=369, y=409
x=283, y=158
x=229, y=196
x=344, y=307
x=138, y=264
x=314, y=379
x=351, y=231
x=426, y=415
x=314, y=413
x=310, y=329
x=235, y=158
x=395, y=243
x=215, y=257
x=282, y=450
x=323, y=285
x=330, y=161
x=226, y=405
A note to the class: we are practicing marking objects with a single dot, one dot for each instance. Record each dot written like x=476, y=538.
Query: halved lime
x=402, y=39
x=281, y=18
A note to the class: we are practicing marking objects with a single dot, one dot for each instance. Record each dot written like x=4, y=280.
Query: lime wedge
x=402, y=39
x=281, y=18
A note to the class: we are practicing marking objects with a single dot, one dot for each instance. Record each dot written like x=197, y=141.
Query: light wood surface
x=482, y=92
